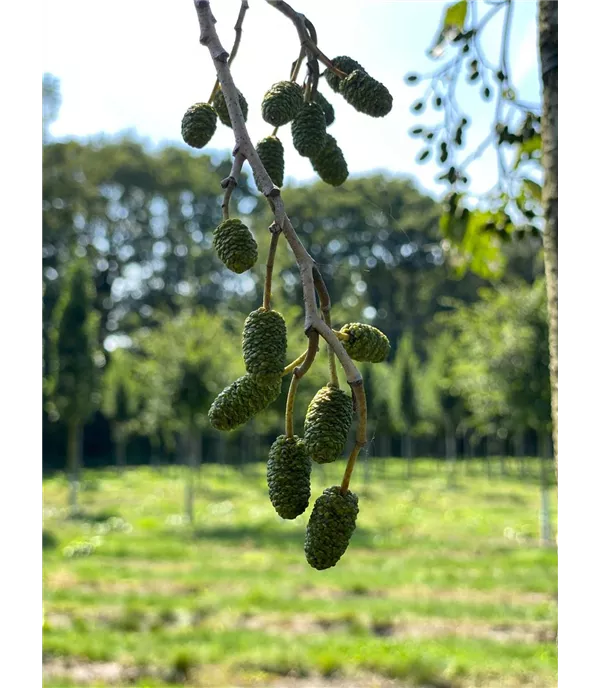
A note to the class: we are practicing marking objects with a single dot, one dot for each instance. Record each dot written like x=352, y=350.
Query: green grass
x=439, y=586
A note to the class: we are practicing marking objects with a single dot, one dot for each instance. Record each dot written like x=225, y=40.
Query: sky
x=137, y=65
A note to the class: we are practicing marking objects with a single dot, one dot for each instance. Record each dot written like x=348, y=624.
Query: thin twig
x=209, y=38
x=230, y=182
x=311, y=352
x=236, y=44
x=360, y=402
x=275, y=232
x=294, y=364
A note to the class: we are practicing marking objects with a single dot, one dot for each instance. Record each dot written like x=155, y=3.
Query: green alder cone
x=270, y=151
x=330, y=527
x=220, y=107
x=366, y=343
x=242, y=400
x=346, y=64
x=264, y=342
x=327, y=108
x=198, y=125
x=308, y=130
x=365, y=94
x=327, y=424
x=282, y=102
x=235, y=245
x=288, y=476
x=330, y=163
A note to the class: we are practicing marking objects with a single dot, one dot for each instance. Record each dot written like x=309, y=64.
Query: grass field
x=439, y=587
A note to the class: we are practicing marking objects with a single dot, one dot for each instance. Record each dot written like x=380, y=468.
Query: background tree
x=74, y=350
x=407, y=413
x=120, y=401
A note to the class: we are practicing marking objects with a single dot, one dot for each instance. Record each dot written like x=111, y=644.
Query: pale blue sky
x=137, y=64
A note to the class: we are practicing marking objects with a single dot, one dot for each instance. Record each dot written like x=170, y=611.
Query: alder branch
x=236, y=44
x=311, y=352
x=244, y=147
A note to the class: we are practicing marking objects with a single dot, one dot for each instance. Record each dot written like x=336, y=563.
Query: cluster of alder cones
x=264, y=341
x=309, y=112
x=326, y=427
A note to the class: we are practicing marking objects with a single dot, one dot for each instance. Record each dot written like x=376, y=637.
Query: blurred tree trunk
x=488, y=462
x=545, y=453
x=520, y=452
x=548, y=46
x=154, y=450
x=73, y=464
x=407, y=453
x=450, y=451
x=120, y=446
x=194, y=450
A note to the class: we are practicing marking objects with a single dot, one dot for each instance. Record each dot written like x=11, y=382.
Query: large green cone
x=330, y=163
x=242, y=400
x=264, y=342
x=365, y=94
x=346, y=64
x=308, y=130
x=220, y=107
x=198, y=125
x=327, y=424
x=330, y=527
x=327, y=108
x=288, y=476
x=270, y=151
x=235, y=245
x=366, y=343
x=281, y=103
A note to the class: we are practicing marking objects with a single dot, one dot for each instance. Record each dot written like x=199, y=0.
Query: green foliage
x=120, y=397
x=74, y=346
x=499, y=357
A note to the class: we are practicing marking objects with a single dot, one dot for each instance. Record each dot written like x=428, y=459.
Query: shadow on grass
x=98, y=517
x=268, y=536
x=49, y=540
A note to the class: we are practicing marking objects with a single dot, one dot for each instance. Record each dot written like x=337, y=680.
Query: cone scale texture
x=327, y=424
x=264, y=342
x=288, y=476
x=235, y=245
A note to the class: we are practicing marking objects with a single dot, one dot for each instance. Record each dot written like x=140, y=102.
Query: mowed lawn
x=439, y=587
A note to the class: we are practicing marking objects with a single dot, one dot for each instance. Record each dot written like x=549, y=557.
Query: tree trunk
x=548, y=46
x=154, y=446
x=488, y=463
x=407, y=454
x=73, y=464
x=520, y=452
x=193, y=453
x=121, y=447
x=450, y=452
x=545, y=531
x=222, y=453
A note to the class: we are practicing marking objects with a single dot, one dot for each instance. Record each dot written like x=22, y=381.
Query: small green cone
x=235, y=245
x=264, y=342
x=198, y=125
x=281, y=103
x=330, y=527
x=327, y=424
x=242, y=400
x=327, y=108
x=330, y=163
x=365, y=94
x=308, y=130
x=270, y=151
x=366, y=343
x=346, y=64
x=220, y=107
x=288, y=476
